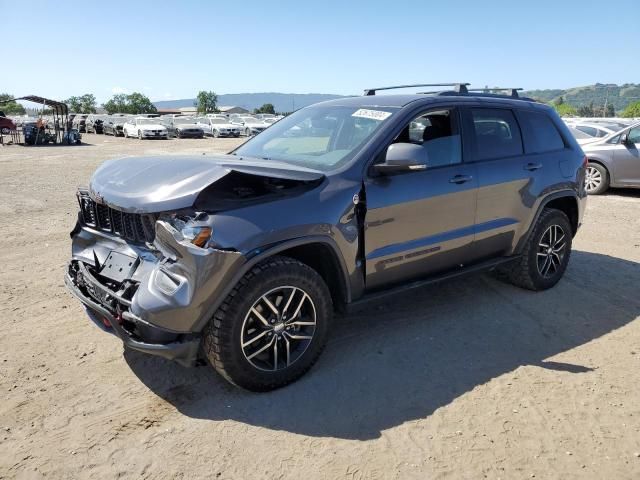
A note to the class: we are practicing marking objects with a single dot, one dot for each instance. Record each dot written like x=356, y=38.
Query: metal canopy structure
x=60, y=114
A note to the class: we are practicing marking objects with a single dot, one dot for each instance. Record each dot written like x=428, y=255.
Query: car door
x=626, y=164
x=507, y=179
x=421, y=222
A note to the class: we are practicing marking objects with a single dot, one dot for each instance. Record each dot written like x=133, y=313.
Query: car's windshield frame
x=349, y=123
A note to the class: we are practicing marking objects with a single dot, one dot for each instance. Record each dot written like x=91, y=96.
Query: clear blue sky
x=170, y=50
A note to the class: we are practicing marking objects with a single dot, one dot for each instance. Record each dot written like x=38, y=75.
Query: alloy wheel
x=551, y=251
x=593, y=179
x=278, y=328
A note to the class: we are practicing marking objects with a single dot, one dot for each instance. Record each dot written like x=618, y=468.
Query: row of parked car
x=177, y=126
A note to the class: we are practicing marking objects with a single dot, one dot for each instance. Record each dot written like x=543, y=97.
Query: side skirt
x=378, y=296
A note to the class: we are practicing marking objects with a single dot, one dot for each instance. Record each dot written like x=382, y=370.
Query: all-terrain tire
x=525, y=271
x=222, y=337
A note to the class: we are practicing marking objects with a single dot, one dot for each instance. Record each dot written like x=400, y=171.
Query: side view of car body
x=614, y=161
x=145, y=128
x=241, y=259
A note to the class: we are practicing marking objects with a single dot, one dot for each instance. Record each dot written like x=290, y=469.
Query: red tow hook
x=107, y=322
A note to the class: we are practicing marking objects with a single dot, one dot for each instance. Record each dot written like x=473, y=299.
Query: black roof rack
x=513, y=92
x=457, y=87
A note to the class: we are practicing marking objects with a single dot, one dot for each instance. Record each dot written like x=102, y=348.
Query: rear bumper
x=184, y=352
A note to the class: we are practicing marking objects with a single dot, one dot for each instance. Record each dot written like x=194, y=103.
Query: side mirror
x=624, y=139
x=403, y=157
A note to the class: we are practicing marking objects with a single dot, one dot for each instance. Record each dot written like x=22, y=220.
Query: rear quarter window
x=497, y=134
x=539, y=133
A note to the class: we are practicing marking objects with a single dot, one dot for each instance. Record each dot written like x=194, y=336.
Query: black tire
x=5, y=130
x=596, y=179
x=527, y=271
x=222, y=338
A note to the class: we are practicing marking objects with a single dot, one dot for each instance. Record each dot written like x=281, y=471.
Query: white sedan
x=142, y=128
x=218, y=127
x=249, y=125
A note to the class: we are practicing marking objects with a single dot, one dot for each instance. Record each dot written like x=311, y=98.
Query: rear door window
x=539, y=133
x=497, y=134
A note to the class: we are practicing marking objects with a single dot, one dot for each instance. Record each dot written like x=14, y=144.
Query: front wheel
x=545, y=255
x=596, y=179
x=272, y=327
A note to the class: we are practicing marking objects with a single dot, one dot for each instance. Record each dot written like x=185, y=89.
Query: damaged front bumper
x=159, y=301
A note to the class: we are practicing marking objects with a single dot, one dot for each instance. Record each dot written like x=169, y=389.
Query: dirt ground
x=466, y=379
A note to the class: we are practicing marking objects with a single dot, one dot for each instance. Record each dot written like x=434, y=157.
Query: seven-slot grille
x=131, y=226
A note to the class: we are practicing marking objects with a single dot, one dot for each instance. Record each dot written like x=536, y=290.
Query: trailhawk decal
x=371, y=114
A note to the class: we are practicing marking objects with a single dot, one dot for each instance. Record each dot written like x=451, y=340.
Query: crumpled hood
x=167, y=183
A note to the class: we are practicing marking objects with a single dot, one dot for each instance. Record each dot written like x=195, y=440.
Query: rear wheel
x=545, y=255
x=596, y=179
x=272, y=327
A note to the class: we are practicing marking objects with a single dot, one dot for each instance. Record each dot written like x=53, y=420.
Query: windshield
x=318, y=137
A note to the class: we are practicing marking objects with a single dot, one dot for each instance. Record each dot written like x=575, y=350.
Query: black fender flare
x=258, y=255
x=543, y=203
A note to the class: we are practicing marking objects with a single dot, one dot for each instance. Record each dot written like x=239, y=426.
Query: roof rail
x=458, y=87
x=513, y=91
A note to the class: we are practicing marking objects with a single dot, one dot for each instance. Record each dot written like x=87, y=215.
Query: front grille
x=135, y=227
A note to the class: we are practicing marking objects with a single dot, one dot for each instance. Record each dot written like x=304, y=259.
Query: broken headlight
x=191, y=229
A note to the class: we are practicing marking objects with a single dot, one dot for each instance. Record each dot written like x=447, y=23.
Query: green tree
x=83, y=104
x=632, y=110
x=266, y=108
x=139, y=103
x=11, y=107
x=586, y=110
x=117, y=104
x=207, y=102
x=565, y=110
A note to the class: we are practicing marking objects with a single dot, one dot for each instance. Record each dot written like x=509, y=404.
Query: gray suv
x=242, y=259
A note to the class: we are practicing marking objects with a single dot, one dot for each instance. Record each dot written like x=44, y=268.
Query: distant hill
x=283, y=102
x=619, y=96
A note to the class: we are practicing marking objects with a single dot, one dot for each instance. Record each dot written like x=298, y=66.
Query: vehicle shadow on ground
x=390, y=364
x=623, y=192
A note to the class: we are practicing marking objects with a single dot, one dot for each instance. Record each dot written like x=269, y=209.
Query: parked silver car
x=614, y=161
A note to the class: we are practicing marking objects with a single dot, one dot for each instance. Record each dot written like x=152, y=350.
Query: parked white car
x=143, y=127
x=218, y=127
x=249, y=125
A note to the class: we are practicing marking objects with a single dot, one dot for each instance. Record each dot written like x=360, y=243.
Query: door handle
x=532, y=166
x=459, y=179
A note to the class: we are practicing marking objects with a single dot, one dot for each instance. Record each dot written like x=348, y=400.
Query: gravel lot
x=466, y=379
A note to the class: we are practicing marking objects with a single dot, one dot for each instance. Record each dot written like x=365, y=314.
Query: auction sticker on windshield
x=371, y=114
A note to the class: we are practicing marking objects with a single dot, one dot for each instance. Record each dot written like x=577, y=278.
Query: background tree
x=632, y=110
x=586, y=110
x=117, y=104
x=83, y=104
x=10, y=108
x=565, y=110
x=139, y=103
x=207, y=102
x=266, y=108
